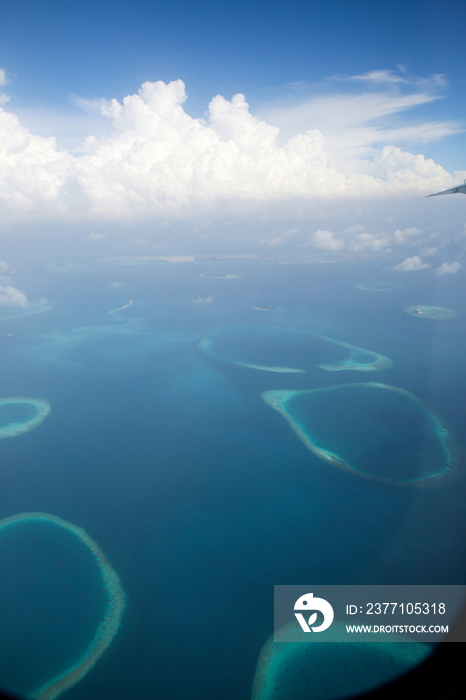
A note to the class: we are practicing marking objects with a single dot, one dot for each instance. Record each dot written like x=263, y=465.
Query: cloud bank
x=161, y=162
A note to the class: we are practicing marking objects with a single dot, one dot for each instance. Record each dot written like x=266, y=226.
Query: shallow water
x=16, y=413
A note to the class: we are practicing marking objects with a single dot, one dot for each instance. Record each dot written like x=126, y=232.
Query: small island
x=219, y=276
x=378, y=286
x=434, y=313
x=267, y=308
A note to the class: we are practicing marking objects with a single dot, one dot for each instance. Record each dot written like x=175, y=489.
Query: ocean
x=200, y=495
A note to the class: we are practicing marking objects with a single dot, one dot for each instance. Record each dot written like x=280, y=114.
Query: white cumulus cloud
x=12, y=296
x=160, y=162
x=448, y=269
x=325, y=240
x=369, y=242
x=414, y=263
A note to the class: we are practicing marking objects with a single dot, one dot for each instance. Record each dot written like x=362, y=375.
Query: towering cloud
x=160, y=161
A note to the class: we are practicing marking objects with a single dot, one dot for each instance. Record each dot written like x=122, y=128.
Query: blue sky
x=340, y=107
x=99, y=48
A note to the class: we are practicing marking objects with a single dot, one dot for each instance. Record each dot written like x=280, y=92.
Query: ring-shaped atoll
x=333, y=669
x=435, y=313
x=8, y=311
x=287, y=350
x=107, y=625
x=374, y=431
x=15, y=427
x=359, y=359
x=378, y=286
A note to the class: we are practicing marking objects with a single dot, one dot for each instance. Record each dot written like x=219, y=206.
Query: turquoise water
x=16, y=413
x=200, y=495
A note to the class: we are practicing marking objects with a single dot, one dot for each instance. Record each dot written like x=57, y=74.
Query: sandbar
x=379, y=362
x=332, y=669
x=205, y=343
x=30, y=309
x=12, y=429
x=359, y=359
x=436, y=313
x=454, y=459
x=264, y=368
x=107, y=626
x=121, y=308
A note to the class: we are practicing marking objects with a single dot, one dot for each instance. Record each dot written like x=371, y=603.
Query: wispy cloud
x=359, y=113
x=272, y=242
x=428, y=252
x=90, y=106
x=95, y=236
x=390, y=77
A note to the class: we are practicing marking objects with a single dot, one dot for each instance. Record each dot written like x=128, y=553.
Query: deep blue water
x=377, y=431
x=198, y=492
x=52, y=597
